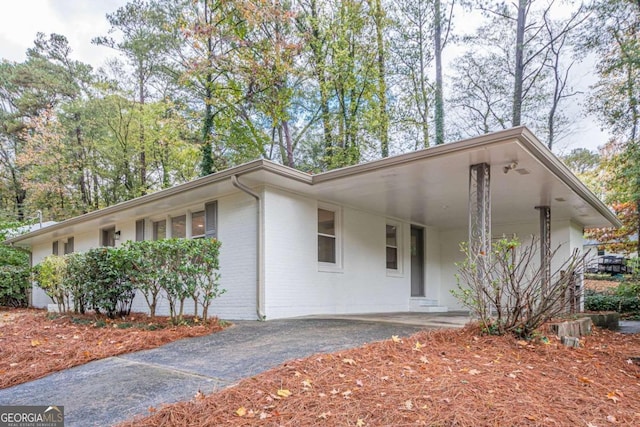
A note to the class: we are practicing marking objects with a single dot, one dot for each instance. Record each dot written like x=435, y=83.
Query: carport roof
x=427, y=187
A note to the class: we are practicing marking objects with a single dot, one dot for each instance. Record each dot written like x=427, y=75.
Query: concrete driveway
x=112, y=390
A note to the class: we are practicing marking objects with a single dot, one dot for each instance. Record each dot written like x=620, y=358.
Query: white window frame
x=170, y=224
x=399, y=272
x=331, y=267
x=190, y=224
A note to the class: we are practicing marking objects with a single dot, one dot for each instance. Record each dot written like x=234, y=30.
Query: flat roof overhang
x=428, y=187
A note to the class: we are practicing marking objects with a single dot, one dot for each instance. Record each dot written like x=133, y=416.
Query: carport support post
x=545, y=247
x=480, y=216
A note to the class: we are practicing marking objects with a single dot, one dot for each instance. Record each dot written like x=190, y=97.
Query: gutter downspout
x=259, y=254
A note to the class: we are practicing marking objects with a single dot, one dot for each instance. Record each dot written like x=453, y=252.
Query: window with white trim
x=197, y=224
x=179, y=227
x=108, y=236
x=326, y=236
x=392, y=247
x=329, y=237
x=159, y=230
x=211, y=219
x=140, y=230
x=69, y=246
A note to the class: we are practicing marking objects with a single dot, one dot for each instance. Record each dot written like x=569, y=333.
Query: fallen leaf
x=612, y=395
x=35, y=343
x=530, y=417
x=199, y=395
x=418, y=346
x=423, y=359
x=306, y=383
x=473, y=372
x=283, y=392
x=346, y=394
x=241, y=411
x=395, y=338
x=408, y=405
x=349, y=361
x=612, y=419
x=360, y=422
x=324, y=415
x=297, y=374
x=359, y=383
x=152, y=409
x=585, y=380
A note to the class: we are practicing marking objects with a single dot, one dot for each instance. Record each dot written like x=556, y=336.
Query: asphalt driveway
x=109, y=391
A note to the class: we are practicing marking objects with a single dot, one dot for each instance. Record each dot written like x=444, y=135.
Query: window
x=179, y=227
x=139, y=230
x=160, y=230
x=600, y=252
x=68, y=246
x=109, y=236
x=327, y=236
x=392, y=247
x=197, y=224
x=211, y=220
x=54, y=248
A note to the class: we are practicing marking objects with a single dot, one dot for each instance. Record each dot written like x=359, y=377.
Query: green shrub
x=75, y=281
x=14, y=285
x=598, y=301
x=178, y=269
x=108, y=281
x=50, y=276
x=14, y=276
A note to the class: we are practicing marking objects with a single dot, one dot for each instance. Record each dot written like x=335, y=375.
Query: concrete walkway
x=111, y=390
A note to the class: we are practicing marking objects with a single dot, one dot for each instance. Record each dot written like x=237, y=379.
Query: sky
x=82, y=20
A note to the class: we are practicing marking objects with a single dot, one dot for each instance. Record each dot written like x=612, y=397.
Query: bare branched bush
x=509, y=289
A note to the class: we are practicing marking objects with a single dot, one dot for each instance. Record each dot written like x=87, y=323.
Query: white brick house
x=377, y=237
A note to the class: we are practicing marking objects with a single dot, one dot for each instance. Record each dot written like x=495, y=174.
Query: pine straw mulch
x=34, y=343
x=601, y=285
x=436, y=378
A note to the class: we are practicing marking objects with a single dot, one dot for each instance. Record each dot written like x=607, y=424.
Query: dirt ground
x=34, y=343
x=436, y=378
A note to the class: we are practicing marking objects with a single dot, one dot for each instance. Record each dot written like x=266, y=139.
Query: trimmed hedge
x=597, y=301
x=106, y=279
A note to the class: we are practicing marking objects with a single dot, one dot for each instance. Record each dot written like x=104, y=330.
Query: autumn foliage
x=619, y=240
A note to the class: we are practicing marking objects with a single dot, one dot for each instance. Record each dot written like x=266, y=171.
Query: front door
x=417, y=262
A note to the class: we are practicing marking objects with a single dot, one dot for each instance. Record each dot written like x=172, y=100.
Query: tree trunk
x=288, y=143
x=143, y=153
x=516, y=117
x=206, y=165
x=439, y=103
x=82, y=183
x=382, y=84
